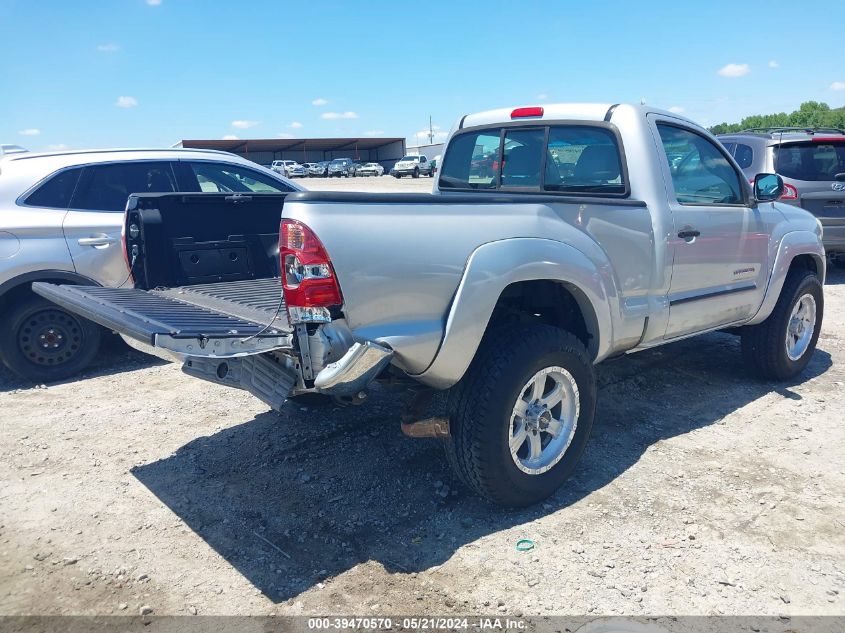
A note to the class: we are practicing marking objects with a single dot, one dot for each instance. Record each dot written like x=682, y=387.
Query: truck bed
x=185, y=319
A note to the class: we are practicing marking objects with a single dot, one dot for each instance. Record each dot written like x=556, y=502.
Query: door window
x=56, y=192
x=744, y=155
x=702, y=174
x=107, y=187
x=229, y=178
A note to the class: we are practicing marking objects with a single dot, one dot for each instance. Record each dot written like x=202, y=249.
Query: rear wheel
x=416, y=173
x=522, y=414
x=44, y=343
x=780, y=347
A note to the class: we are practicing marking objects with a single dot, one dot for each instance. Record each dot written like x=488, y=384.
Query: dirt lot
x=702, y=491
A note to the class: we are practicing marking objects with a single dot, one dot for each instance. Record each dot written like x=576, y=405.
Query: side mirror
x=768, y=187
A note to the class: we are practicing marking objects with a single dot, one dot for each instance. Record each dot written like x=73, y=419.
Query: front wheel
x=43, y=343
x=522, y=414
x=780, y=347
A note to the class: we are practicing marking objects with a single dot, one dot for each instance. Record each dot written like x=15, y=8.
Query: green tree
x=809, y=114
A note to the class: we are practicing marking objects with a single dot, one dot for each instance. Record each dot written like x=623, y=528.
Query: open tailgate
x=217, y=320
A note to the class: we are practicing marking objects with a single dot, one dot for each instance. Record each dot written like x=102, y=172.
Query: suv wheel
x=43, y=343
x=416, y=173
x=521, y=415
x=781, y=346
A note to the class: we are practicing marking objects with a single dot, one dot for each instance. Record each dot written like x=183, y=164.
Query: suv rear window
x=574, y=159
x=813, y=160
x=56, y=192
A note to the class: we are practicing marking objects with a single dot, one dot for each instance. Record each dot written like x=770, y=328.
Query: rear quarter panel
x=400, y=258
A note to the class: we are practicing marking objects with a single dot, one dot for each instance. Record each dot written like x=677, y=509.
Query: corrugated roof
x=287, y=144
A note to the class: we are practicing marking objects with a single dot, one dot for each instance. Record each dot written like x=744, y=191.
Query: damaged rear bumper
x=273, y=377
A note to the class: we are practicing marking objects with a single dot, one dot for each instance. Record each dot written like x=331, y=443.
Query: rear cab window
x=819, y=159
x=572, y=159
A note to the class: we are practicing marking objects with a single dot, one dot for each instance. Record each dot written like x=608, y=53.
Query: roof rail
x=787, y=129
x=6, y=150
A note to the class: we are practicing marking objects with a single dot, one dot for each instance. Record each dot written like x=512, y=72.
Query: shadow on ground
x=114, y=357
x=290, y=499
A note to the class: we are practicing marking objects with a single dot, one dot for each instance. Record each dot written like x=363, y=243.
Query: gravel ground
x=702, y=491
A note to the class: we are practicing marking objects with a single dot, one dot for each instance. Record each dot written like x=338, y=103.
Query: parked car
x=370, y=169
x=506, y=289
x=289, y=168
x=414, y=166
x=313, y=169
x=341, y=167
x=61, y=215
x=811, y=162
x=322, y=170
x=435, y=162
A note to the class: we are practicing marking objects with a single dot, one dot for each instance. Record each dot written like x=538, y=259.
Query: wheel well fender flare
x=792, y=245
x=494, y=266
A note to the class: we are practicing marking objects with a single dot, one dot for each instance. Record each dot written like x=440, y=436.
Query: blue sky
x=121, y=73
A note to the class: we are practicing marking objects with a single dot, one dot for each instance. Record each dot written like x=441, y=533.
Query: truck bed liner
x=232, y=310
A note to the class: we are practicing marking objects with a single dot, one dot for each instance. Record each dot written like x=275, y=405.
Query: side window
x=472, y=161
x=744, y=155
x=523, y=158
x=730, y=147
x=228, y=177
x=423, y=159
x=57, y=191
x=107, y=187
x=702, y=175
x=583, y=159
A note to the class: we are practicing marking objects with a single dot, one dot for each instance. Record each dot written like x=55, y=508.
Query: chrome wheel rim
x=802, y=324
x=544, y=420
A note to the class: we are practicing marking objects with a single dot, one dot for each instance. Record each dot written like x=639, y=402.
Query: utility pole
x=430, y=131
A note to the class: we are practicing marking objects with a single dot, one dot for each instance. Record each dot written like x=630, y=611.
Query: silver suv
x=61, y=216
x=811, y=162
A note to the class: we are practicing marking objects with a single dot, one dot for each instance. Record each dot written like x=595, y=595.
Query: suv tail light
x=789, y=192
x=308, y=280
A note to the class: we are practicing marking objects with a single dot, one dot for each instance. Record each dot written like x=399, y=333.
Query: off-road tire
x=764, y=345
x=19, y=331
x=481, y=404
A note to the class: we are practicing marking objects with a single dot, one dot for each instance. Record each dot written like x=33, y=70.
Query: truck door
x=93, y=223
x=719, y=242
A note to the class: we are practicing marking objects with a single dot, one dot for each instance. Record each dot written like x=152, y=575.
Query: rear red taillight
x=521, y=113
x=789, y=193
x=308, y=279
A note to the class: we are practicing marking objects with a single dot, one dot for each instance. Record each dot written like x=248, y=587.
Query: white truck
x=558, y=236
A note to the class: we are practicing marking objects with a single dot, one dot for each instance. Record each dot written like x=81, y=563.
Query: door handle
x=688, y=234
x=103, y=240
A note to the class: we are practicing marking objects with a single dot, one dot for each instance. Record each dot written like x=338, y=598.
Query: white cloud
x=423, y=136
x=244, y=124
x=837, y=85
x=374, y=133
x=676, y=109
x=57, y=146
x=108, y=48
x=126, y=102
x=295, y=125
x=339, y=115
x=319, y=101
x=230, y=137
x=542, y=97
x=734, y=70
x=773, y=64
x=30, y=131
x=153, y=3
x=285, y=135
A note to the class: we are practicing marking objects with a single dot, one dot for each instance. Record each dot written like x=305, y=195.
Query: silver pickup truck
x=556, y=237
